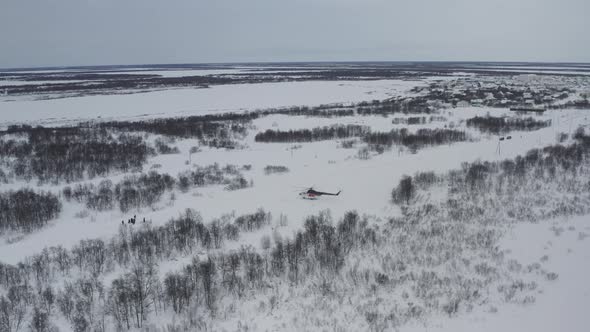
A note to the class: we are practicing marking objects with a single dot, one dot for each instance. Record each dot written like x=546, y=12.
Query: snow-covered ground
x=183, y=102
x=366, y=184
x=560, y=245
x=322, y=165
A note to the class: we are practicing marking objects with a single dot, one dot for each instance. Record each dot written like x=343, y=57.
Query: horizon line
x=250, y=63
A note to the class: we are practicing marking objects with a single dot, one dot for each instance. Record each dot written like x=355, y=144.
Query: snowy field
x=184, y=102
x=318, y=164
x=562, y=306
x=364, y=175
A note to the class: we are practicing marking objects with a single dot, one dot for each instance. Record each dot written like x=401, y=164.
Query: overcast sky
x=92, y=32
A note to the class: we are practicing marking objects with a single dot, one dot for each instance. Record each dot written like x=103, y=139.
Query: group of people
x=131, y=220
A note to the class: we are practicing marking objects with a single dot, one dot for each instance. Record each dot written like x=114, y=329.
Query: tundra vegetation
x=410, y=258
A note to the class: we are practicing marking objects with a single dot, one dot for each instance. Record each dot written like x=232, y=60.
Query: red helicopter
x=310, y=193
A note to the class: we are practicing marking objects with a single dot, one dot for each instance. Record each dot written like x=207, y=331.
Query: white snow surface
x=560, y=306
x=182, y=102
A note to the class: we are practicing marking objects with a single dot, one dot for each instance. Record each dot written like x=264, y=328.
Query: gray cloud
x=84, y=32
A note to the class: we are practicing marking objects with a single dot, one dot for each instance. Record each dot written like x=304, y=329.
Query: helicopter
x=310, y=193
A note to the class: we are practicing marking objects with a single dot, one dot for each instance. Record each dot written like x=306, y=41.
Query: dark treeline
x=311, y=135
x=321, y=111
x=364, y=108
x=414, y=105
x=325, y=113
x=217, y=131
x=272, y=169
x=71, y=154
x=392, y=106
x=206, y=127
x=107, y=83
x=500, y=125
x=413, y=120
x=144, y=190
x=422, y=137
x=25, y=210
